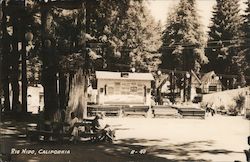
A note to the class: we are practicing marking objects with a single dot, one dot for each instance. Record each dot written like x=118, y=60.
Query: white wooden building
x=211, y=83
x=123, y=88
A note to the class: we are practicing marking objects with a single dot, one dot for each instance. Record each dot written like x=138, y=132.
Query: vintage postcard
x=124, y=80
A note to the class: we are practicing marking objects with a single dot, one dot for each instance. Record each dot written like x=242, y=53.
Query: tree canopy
x=183, y=39
x=225, y=39
x=246, y=29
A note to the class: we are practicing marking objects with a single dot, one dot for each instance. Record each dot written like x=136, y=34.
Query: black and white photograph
x=124, y=80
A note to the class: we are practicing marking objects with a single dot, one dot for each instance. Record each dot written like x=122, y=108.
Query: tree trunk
x=78, y=95
x=49, y=69
x=5, y=61
x=24, y=72
x=50, y=94
x=15, y=66
x=62, y=91
x=69, y=78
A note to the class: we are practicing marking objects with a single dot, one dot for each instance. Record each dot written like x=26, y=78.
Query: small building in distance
x=123, y=88
x=211, y=83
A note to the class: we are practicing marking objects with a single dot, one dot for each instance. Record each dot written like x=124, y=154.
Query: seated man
x=73, y=130
x=104, y=129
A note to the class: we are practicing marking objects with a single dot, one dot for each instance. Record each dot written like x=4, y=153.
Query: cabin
x=35, y=98
x=164, y=83
x=211, y=83
x=123, y=88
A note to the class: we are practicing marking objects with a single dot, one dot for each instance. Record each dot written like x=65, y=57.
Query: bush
x=240, y=101
x=221, y=108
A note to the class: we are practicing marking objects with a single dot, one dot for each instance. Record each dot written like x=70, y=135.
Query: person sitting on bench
x=101, y=127
x=73, y=130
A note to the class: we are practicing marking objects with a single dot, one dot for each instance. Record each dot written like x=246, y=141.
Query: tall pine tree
x=142, y=35
x=224, y=50
x=246, y=29
x=183, y=39
x=129, y=35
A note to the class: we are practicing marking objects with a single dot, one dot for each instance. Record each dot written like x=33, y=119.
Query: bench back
x=136, y=108
x=162, y=107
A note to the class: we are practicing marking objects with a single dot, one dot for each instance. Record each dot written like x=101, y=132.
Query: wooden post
x=189, y=86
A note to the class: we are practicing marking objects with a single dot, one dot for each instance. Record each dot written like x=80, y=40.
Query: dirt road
x=218, y=138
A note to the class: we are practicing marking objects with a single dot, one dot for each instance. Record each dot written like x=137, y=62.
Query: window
x=198, y=90
x=124, y=75
x=110, y=90
x=117, y=88
x=212, y=88
x=41, y=97
x=117, y=83
x=133, y=89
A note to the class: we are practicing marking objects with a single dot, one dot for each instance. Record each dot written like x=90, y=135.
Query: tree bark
x=24, y=73
x=5, y=60
x=15, y=65
x=68, y=86
x=49, y=69
x=62, y=91
x=78, y=95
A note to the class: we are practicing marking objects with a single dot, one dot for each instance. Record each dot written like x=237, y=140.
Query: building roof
x=210, y=78
x=124, y=75
x=162, y=80
x=195, y=77
x=207, y=76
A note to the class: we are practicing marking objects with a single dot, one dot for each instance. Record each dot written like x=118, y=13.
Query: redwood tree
x=225, y=39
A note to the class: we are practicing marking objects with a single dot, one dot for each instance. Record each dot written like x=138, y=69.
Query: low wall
x=226, y=98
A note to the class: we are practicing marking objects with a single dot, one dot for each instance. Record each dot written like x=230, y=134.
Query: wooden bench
x=89, y=132
x=135, y=110
x=191, y=112
x=164, y=110
x=52, y=134
x=107, y=110
x=88, y=129
x=59, y=134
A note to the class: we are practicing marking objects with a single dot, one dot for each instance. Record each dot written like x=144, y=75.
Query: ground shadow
x=122, y=150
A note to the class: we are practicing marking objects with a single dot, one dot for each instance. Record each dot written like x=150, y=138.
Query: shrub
x=240, y=101
x=232, y=110
x=221, y=108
